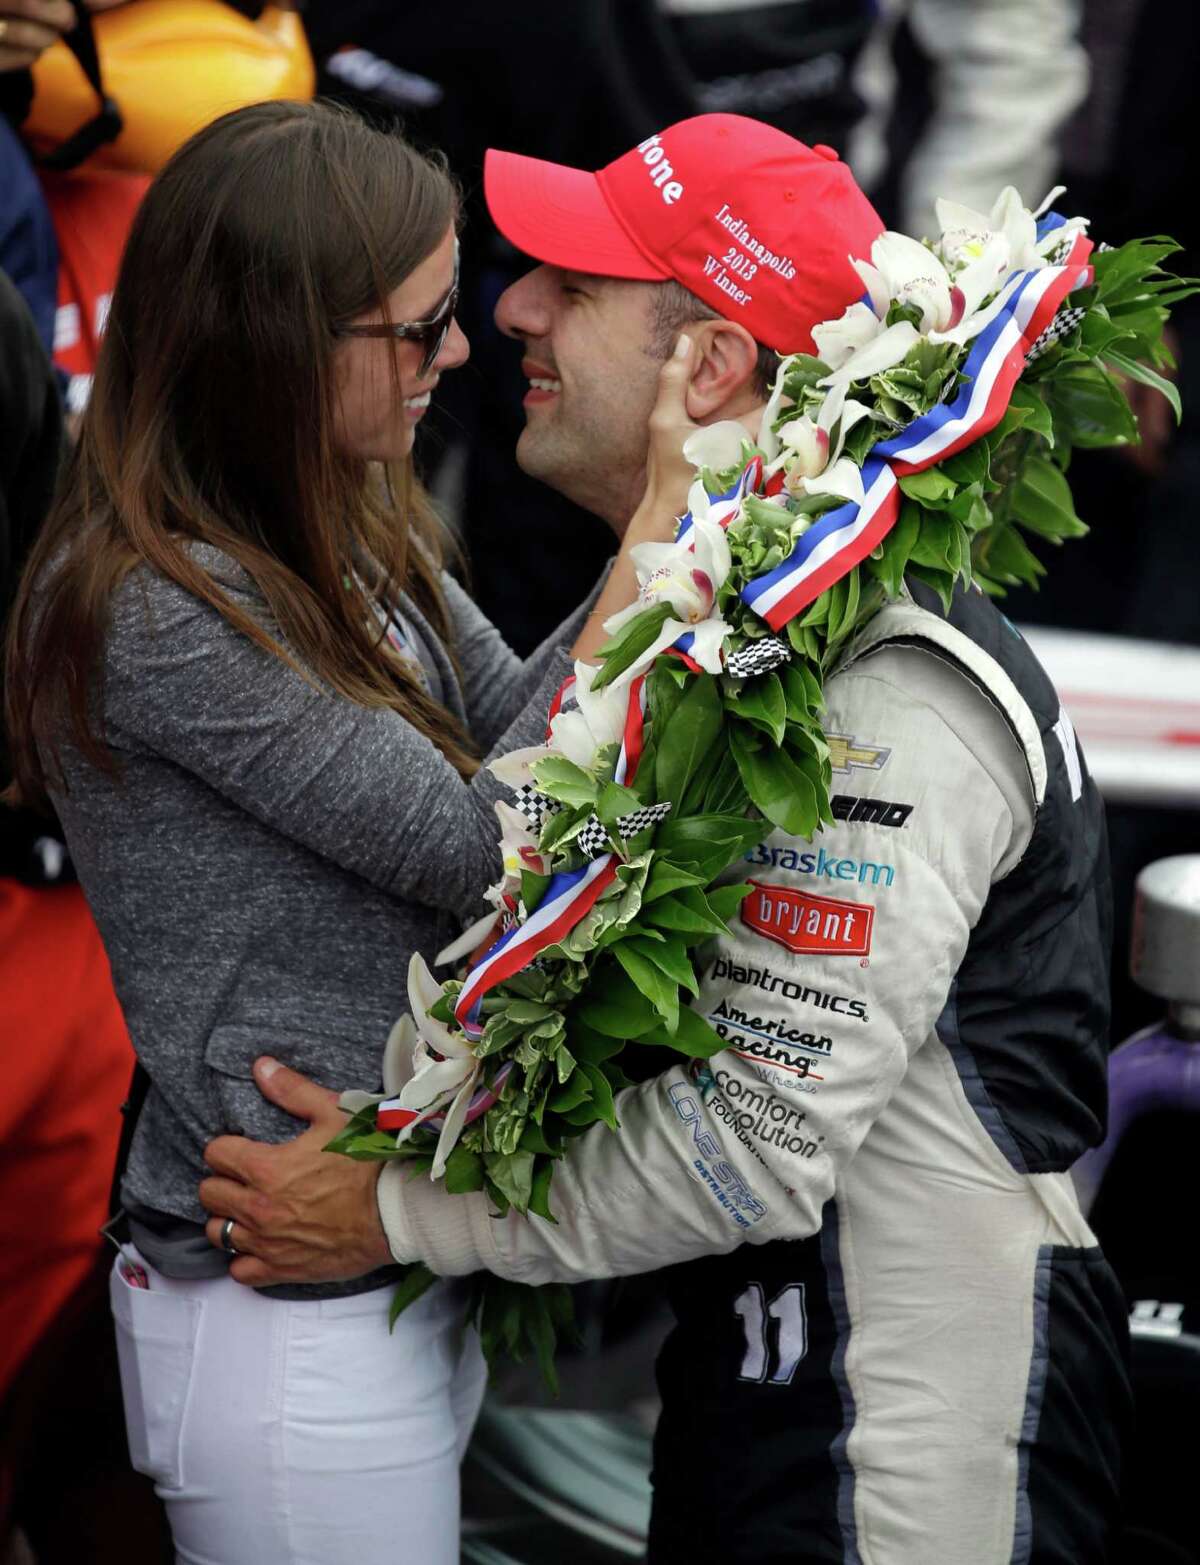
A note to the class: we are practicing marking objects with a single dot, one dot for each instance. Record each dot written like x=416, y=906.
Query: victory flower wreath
x=929, y=439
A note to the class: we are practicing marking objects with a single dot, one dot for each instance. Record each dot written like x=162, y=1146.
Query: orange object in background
x=65, y=1066
x=92, y=211
x=172, y=66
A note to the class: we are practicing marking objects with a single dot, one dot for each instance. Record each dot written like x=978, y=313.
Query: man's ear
x=724, y=375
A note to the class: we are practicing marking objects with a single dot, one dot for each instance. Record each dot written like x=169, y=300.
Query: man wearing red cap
x=897, y=1342
x=757, y=225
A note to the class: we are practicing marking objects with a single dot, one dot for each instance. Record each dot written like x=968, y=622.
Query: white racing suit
x=901, y=1346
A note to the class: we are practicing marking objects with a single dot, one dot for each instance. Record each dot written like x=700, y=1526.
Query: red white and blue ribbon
x=631, y=739
x=570, y=894
x=842, y=538
x=724, y=507
x=831, y=547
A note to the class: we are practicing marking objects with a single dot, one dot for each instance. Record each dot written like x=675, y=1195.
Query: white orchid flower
x=597, y=719
x=1010, y=216
x=709, y=638
x=717, y=511
x=686, y=578
x=687, y=575
x=518, y=844
x=806, y=446
x=965, y=232
x=709, y=635
x=811, y=446
x=414, y=1074
x=432, y=1078
x=978, y=280
x=882, y=353
x=1048, y=201
x=907, y=272
x=397, y=1055
x=516, y=768
x=768, y=440
x=700, y=502
x=716, y=446
x=455, y=1120
x=431, y=1071
x=837, y=341
x=605, y=713
x=435, y=1081
x=904, y=271
x=571, y=737
x=840, y=478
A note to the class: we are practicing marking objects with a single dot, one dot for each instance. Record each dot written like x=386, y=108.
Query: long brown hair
x=211, y=421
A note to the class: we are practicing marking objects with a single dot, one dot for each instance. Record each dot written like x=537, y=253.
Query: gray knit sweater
x=271, y=855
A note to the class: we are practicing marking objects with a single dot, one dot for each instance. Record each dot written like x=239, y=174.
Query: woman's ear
x=723, y=379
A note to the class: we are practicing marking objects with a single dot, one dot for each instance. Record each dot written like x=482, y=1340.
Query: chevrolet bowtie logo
x=844, y=754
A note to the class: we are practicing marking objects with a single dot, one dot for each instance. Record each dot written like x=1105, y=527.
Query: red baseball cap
x=752, y=221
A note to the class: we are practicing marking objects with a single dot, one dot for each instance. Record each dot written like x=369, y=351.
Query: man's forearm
x=671, y=1185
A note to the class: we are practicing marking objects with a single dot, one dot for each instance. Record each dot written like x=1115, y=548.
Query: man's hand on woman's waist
x=299, y=1214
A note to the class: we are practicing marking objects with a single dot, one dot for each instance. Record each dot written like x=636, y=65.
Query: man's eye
x=570, y=288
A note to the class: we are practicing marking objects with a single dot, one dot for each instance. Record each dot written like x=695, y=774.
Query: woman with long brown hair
x=257, y=703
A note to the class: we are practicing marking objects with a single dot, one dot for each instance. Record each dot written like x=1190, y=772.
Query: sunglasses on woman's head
x=431, y=333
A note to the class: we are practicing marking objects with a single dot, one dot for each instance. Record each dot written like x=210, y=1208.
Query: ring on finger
x=227, y=1243
x=3, y=28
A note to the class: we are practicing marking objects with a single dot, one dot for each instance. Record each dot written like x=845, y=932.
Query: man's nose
x=523, y=309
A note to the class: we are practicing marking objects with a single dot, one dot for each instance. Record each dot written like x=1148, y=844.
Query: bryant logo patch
x=807, y=924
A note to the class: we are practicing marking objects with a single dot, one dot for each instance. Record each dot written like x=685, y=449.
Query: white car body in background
x=1135, y=707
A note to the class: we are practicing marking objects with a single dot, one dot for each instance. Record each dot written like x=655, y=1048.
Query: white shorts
x=298, y=1433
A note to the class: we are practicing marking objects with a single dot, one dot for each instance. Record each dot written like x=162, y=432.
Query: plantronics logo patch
x=778, y=983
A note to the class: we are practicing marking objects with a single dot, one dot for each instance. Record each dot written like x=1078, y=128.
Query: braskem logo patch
x=828, y=866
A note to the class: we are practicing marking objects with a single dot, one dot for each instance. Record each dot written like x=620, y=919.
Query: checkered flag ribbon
x=1061, y=250
x=536, y=807
x=593, y=837
x=592, y=840
x=638, y=820
x=1063, y=322
x=757, y=657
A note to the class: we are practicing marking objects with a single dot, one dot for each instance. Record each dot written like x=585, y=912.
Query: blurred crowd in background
x=922, y=97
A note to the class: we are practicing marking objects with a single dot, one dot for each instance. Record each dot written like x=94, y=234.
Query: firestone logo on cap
x=662, y=175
